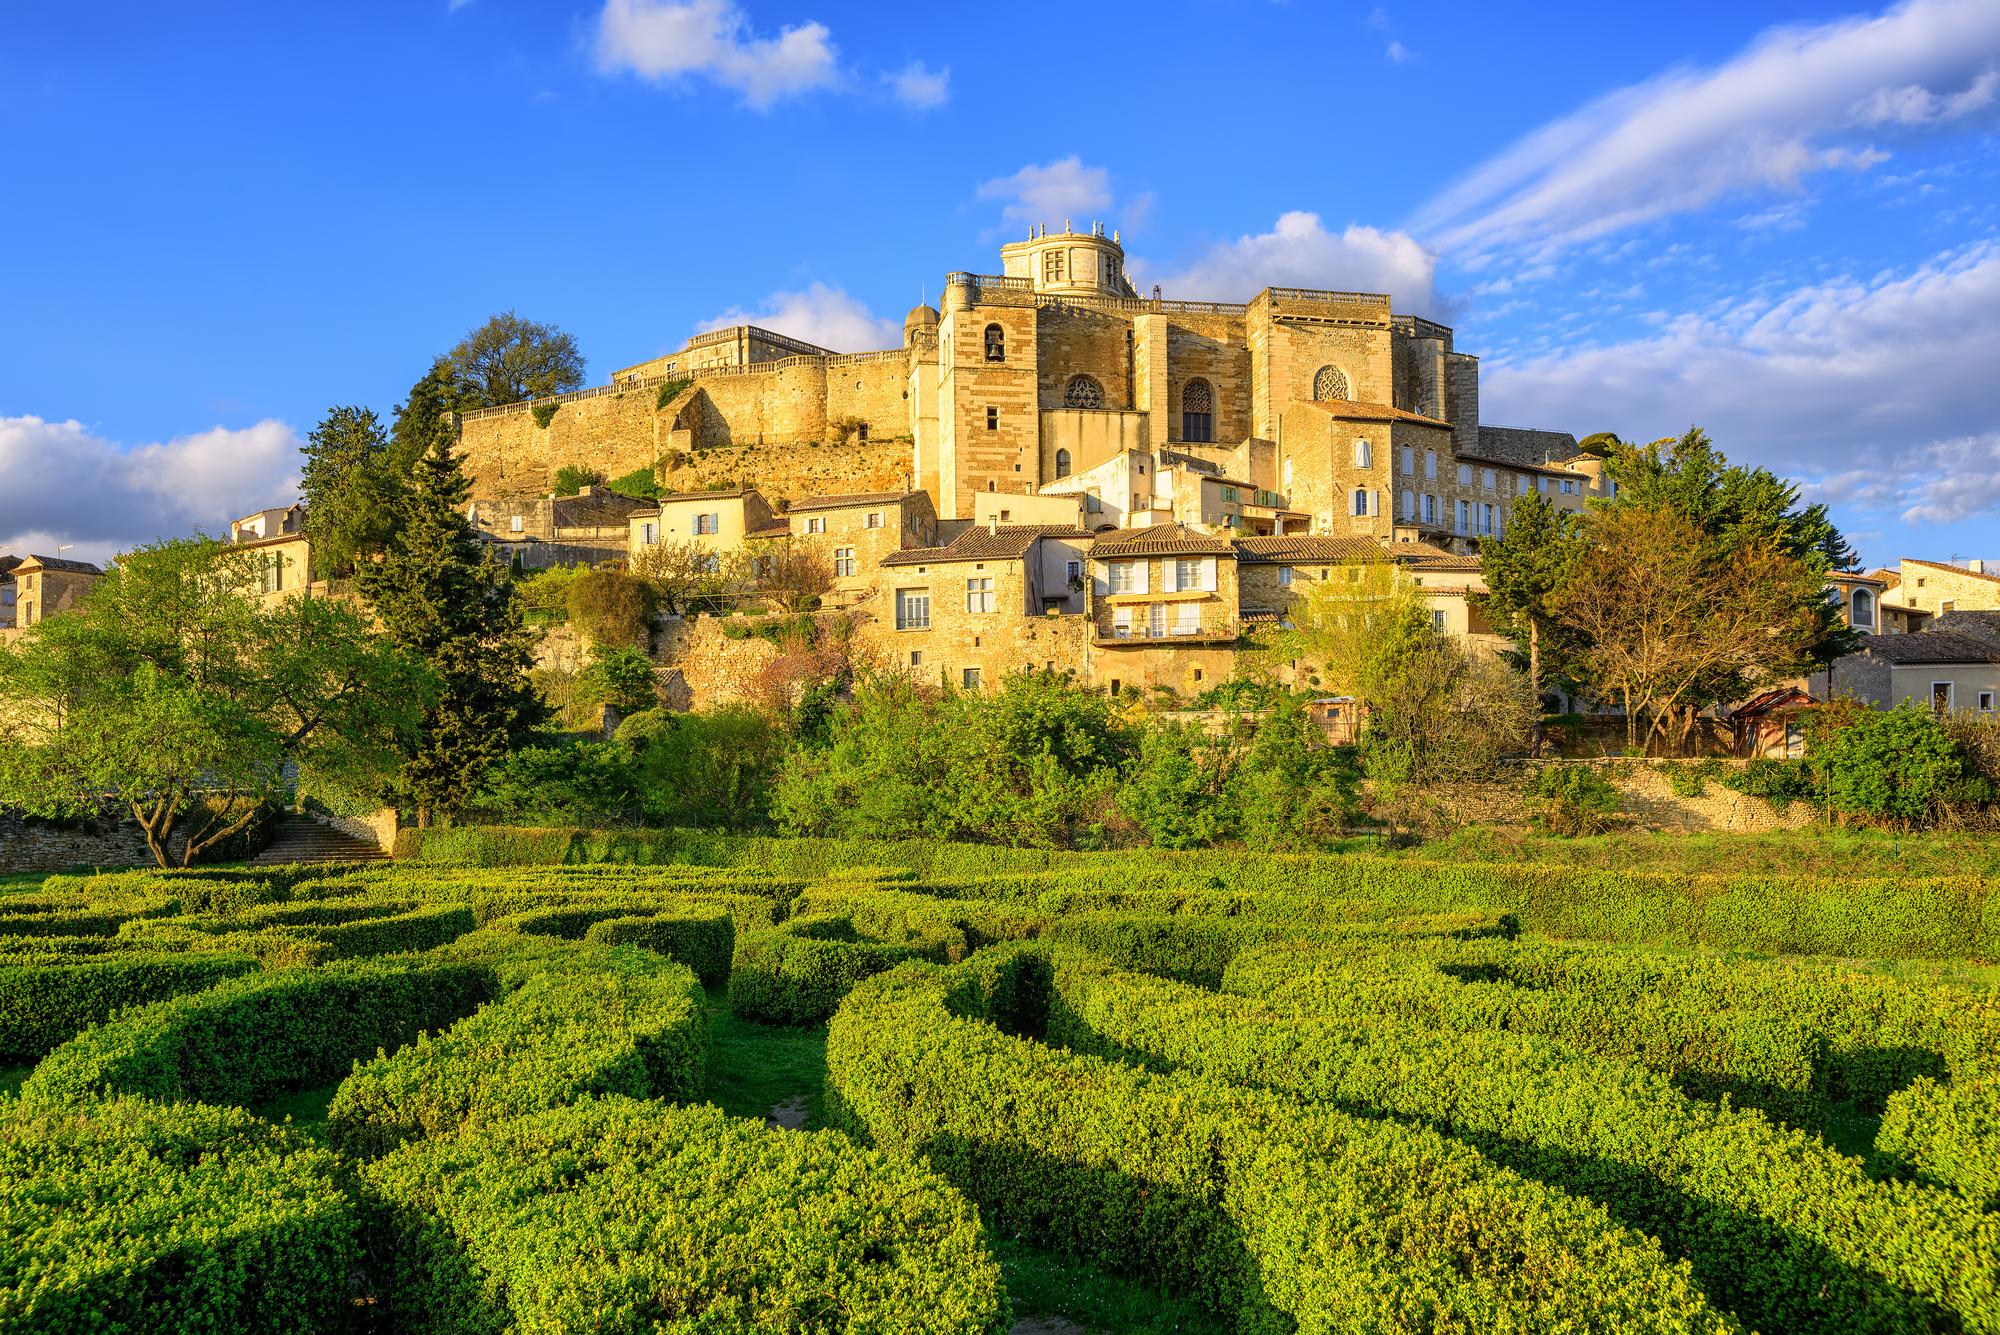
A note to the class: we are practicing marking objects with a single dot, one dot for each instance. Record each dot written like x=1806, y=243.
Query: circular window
x=1083, y=392
x=1329, y=383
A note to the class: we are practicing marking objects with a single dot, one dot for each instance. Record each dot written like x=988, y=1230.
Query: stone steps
x=302, y=839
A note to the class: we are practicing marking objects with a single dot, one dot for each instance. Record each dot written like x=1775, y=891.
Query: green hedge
x=46, y=1003
x=1948, y=1135
x=598, y=1022
x=798, y=973
x=1768, y=1062
x=1911, y=917
x=1781, y=1230
x=129, y=1215
x=1265, y=1209
x=703, y=940
x=1880, y=1032
x=620, y=1216
x=248, y=1039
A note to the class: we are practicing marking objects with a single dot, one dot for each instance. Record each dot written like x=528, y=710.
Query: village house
x=283, y=554
x=47, y=586
x=1941, y=669
x=591, y=526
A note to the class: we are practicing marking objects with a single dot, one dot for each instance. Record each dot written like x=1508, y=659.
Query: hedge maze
x=1311, y=1097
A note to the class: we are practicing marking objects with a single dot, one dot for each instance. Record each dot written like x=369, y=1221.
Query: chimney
x=1976, y=565
x=993, y=524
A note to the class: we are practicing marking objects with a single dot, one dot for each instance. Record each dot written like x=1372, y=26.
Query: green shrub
x=669, y=391
x=245, y=1040
x=1947, y=1134
x=1572, y=800
x=704, y=941
x=1779, y=782
x=1266, y=1210
x=1898, y=767
x=614, y=1215
x=612, y=608
x=1814, y=1247
x=128, y=1215
x=641, y=484
x=797, y=973
x=45, y=1004
x=587, y=1022
x=1767, y=1061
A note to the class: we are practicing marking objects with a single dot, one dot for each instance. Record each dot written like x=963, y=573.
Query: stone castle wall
x=781, y=411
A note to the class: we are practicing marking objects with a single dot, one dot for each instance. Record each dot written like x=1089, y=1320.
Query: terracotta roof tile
x=1358, y=411
x=1952, y=569
x=63, y=564
x=1160, y=540
x=1010, y=542
x=842, y=502
x=1309, y=547
x=1928, y=646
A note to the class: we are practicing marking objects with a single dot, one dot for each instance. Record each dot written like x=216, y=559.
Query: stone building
x=1938, y=668
x=1934, y=588
x=277, y=540
x=591, y=526
x=1325, y=410
x=709, y=521
x=46, y=586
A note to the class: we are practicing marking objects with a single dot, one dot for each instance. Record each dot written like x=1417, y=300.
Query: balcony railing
x=1209, y=630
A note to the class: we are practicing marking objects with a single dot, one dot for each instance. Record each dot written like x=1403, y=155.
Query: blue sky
x=1781, y=222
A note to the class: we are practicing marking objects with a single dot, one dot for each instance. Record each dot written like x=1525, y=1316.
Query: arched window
x=1363, y=456
x=1360, y=501
x=1083, y=392
x=1330, y=382
x=1062, y=463
x=996, y=343
x=1864, y=610
x=1197, y=411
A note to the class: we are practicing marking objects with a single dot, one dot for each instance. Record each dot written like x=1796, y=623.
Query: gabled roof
x=1928, y=646
x=1354, y=410
x=1779, y=699
x=1160, y=540
x=843, y=502
x=1008, y=542
x=1524, y=446
x=1981, y=626
x=58, y=563
x=726, y=494
x=604, y=509
x=1951, y=569
x=777, y=528
x=1445, y=563
x=1309, y=548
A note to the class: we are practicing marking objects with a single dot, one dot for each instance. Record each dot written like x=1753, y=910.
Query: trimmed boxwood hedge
x=129, y=1215
x=1947, y=1134
x=798, y=972
x=595, y=1022
x=1765, y=1061
x=1265, y=1209
x=1786, y=1233
x=619, y=1216
x=702, y=939
x=45, y=1003
x=250, y=1038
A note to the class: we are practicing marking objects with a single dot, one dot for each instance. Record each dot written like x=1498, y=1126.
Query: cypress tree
x=438, y=598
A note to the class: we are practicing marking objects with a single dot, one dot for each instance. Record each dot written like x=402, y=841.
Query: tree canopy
x=508, y=359
x=169, y=691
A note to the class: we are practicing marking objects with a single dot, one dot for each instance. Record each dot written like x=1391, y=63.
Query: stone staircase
x=297, y=838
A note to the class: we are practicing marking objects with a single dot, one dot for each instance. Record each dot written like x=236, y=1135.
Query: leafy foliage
x=1572, y=800
x=508, y=359
x=611, y=608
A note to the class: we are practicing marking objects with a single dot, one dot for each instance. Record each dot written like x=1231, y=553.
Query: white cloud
x=666, y=40
x=819, y=314
x=1299, y=251
x=1865, y=387
x=917, y=86
x=66, y=485
x=1397, y=52
x=1789, y=106
x=1050, y=192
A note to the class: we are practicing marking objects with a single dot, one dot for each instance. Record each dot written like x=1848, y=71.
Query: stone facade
x=1052, y=368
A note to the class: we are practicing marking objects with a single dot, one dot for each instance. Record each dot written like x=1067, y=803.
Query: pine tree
x=346, y=492
x=1524, y=569
x=424, y=418
x=436, y=597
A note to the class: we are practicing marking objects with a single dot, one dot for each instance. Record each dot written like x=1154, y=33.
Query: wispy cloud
x=66, y=484
x=1049, y=192
x=1798, y=102
x=1862, y=385
x=1301, y=251
x=669, y=40
x=917, y=86
x=818, y=314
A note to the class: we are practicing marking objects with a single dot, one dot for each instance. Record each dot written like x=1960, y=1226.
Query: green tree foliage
x=1293, y=790
x=1033, y=763
x=710, y=770
x=1897, y=767
x=623, y=678
x=508, y=359
x=641, y=484
x=1525, y=569
x=1572, y=800
x=423, y=421
x=437, y=599
x=562, y=783
x=1177, y=793
x=611, y=608
x=572, y=478
x=346, y=486
x=172, y=692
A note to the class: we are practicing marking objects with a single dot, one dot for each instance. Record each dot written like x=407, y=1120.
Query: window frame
x=909, y=603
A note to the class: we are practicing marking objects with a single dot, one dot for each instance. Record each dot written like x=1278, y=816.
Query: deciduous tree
x=347, y=487
x=508, y=359
x=1524, y=569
